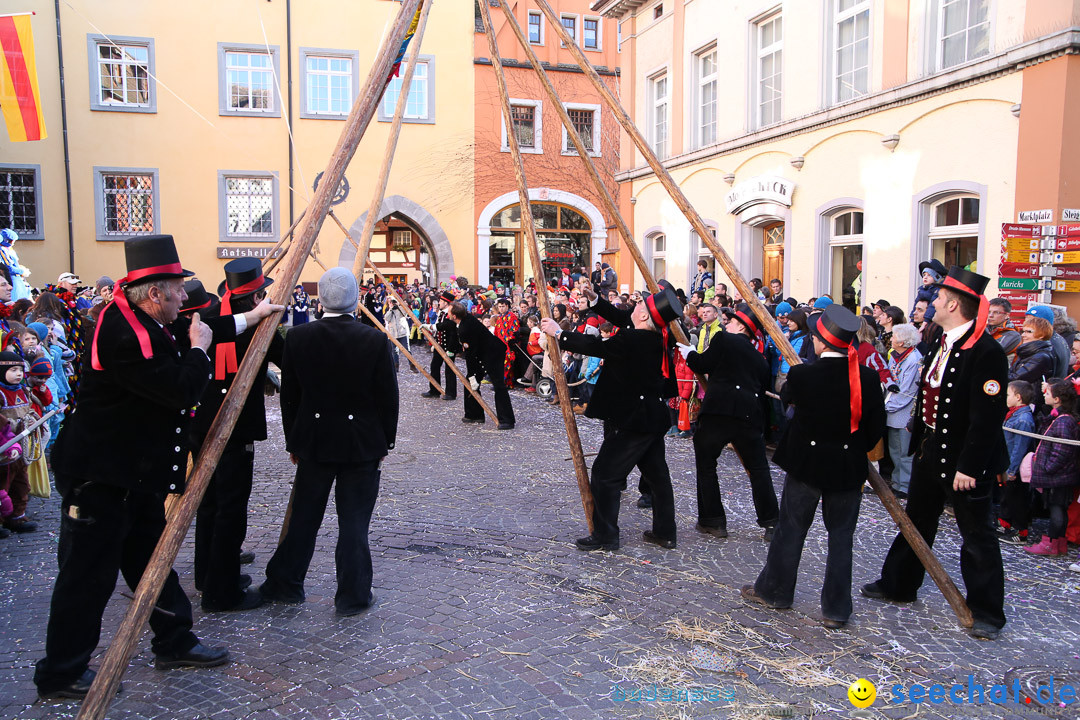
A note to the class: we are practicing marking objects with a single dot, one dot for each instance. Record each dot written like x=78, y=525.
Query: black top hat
x=964, y=282
x=836, y=326
x=447, y=296
x=746, y=316
x=883, y=304
x=933, y=264
x=198, y=298
x=151, y=258
x=243, y=276
x=665, y=305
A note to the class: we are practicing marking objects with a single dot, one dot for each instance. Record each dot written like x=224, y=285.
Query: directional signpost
x=1025, y=269
x=1019, y=283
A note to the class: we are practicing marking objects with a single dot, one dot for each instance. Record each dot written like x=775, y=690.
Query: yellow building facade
x=836, y=144
x=179, y=121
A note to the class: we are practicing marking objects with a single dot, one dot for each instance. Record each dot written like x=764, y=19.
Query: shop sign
x=1018, y=283
x=1035, y=216
x=231, y=252
x=1018, y=270
x=765, y=188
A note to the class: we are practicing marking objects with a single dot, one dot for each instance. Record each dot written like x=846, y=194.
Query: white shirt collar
x=951, y=336
x=334, y=314
x=832, y=353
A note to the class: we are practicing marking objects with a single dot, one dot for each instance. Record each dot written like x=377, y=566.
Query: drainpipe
x=288, y=71
x=67, y=154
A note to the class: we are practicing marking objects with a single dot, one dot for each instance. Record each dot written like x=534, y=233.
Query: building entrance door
x=772, y=263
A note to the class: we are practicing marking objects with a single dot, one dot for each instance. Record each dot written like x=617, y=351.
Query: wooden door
x=772, y=253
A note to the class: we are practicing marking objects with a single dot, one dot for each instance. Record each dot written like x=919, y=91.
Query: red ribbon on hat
x=198, y=307
x=854, y=385
x=121, y=301
x=651, y=304
x=225, y=355
x=759, y=342
x=980, y=319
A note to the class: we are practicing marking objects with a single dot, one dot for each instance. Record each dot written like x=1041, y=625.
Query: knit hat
x=103, y=281
x=338, y=291
x=783, y=308
x=1041, y=311
x=39, y=329
x=822, y=302
x=935, y=268
x=41, y=367
x=10, y=359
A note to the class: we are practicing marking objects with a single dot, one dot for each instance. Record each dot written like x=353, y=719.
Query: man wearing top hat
x=221, y=523
x=116, y=456
x=484, y=355
x=630, y=398
x=734, y=411
x=839, y=416
x=445, y=332
x=341, y=434
x=959, y=448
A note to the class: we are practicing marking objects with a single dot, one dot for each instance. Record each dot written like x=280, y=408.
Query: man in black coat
x=484, y=354
x=733, y=411
x=339, y=410
x=116, y=457
x=630, y=398
x=959, y=449
x=839, y=417
x=445, y=332
x=221, y=523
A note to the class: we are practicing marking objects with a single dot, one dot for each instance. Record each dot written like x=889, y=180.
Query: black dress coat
x=483, y=348
x=818, y=446
x=130, y=427
x=339, y=393
x=622, y=318
x=738, y=378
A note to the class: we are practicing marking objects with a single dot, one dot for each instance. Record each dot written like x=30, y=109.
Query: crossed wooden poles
x=310, y=223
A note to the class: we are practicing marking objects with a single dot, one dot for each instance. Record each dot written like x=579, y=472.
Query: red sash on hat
x=758, y=341
x=120, y=300
x=225, y=356
x=980, y=320
x=854, y=385
x=651, y=304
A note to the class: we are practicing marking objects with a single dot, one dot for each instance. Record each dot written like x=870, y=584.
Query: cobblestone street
x=486, y=610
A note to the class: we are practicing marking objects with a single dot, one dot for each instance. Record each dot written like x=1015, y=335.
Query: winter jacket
x=1019, y=445
x=929, y=294
x=906, y=374
x=1034, y=362
x=1057, y=464
x=1062, y=355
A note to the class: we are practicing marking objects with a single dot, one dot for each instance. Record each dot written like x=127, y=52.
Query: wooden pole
x=911, y=534
x=451, y=367
x=416, y=363
x=160, y=565
x=272, y=258
x=372, y=216
x=569, y=419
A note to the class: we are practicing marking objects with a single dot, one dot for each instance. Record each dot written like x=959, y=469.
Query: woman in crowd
x=905, y=366
x=1035, y=356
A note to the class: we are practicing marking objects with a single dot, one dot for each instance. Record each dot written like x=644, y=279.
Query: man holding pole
x=959, y=448
x=117, y=455
x=445, y=331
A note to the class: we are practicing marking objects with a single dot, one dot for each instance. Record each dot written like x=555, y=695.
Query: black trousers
x=980, y=555
x=355, y=494
x=714, y=432
x=437, y=363
x=221, y=526
x=619, y=453
x=493, y=368
x=116, y=531
x=840, y=512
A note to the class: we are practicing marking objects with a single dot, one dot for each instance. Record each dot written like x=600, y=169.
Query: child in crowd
x=17, y=412
x=1055, y=466
x=1012, y=523
x=43, y=401
x=590, y=372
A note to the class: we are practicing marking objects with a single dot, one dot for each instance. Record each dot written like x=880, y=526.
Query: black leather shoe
x=650, y=537
x=270, y=594
x=199, y=656
x=250, y=600
x=20, y=525
x=769, y=532
x=430, y=394
x=351, y=612
x=591, y=543
x=472, y=420
x=719, y=531
x=644, y=502
x=449, y=398
x=76, y=690
x=246, y=557
x=506, y=426
x=245, y=581
x=874, y=591
x=749, y=593
x=831, y=624
x=981, y=630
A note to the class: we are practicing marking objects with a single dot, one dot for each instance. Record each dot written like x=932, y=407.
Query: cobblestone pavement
x=485, y=609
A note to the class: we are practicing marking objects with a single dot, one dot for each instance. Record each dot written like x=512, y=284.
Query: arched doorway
x=401, y=251
x=398, y=213
x=563, y=234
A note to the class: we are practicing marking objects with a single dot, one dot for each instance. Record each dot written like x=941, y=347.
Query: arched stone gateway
x=432, y=235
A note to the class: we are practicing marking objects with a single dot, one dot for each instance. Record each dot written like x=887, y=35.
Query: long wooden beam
x=375, y=321
x=569, y=419
x=157, y=571
x=911, y=534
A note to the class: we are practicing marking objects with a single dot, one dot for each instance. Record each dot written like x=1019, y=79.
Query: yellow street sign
x=1067, y=285
x=1027, y=257
x=1020, y=244
x=1066, y=258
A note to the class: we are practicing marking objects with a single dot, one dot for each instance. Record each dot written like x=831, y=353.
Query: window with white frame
x=249, y=204
x=536, y=28
x=20, y=200
x=586, y=120
x=420, y=106
x=705, y=79
x=954, y=231
x=845, y=257
x=247, y=80
x=570, y=23
x=126, y=203
x=657, y=245
x=964, y=31
x=402, y=241
x=590, y=33
x=329, y=83
x=658, y=114
x=769, y=43
x=121, y=74
x=851, y=30
x=528, y=126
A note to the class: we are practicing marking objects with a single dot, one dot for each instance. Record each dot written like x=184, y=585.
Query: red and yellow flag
x=20, y=98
